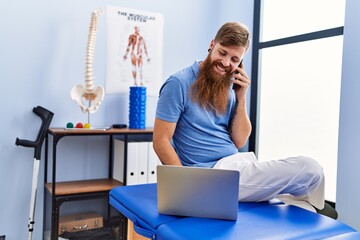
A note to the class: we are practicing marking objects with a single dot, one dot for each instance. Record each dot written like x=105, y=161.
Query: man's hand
x=241, y=82
x=240, y=125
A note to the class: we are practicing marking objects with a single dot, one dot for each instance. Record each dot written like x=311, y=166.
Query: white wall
x=348, y=192
x=42, y=56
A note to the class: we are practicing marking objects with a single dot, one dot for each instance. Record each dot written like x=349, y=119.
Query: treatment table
x=263, y=220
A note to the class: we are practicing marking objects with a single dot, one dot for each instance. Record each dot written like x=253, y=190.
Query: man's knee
x=311, y=167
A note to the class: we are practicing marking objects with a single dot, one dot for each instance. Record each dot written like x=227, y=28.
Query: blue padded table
x=345, y=236
x=264, y=220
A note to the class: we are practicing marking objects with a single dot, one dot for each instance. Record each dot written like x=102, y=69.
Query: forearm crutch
x=46, y=117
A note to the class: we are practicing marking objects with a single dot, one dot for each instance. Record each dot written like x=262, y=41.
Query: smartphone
x=240, y=65
x=236, y=72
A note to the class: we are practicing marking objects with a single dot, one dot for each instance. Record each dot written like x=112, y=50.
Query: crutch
x=46, y=117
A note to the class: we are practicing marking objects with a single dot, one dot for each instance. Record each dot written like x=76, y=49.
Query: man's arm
x=163, y=132
x=240, y=125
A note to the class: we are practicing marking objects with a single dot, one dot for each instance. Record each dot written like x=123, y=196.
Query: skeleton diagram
x=137, y=46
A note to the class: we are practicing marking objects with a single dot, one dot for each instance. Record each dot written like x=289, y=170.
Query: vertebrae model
x=79, y=93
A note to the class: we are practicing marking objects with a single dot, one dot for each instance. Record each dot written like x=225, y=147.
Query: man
x=137, y=45
x=201, y=120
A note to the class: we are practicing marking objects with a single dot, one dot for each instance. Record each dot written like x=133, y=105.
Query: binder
x=119, y=158
x=142, y=162
x=132, y=163
x=118, y=164
x=137, y=162
x=153, y=161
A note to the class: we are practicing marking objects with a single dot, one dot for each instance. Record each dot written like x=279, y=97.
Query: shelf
x=83, y=186
x=67, y=191
x=111, y=131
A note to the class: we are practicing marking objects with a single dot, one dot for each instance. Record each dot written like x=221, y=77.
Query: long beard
x=211, y=90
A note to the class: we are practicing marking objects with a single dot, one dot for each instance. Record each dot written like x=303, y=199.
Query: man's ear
x=212, y=44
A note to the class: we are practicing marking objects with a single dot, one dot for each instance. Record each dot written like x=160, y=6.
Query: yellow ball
x=87, y=125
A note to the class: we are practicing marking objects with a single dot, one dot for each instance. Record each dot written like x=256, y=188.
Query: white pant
x=297, y=180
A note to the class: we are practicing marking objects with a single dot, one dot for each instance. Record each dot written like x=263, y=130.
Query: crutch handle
x=25, y=143
x=46, y=117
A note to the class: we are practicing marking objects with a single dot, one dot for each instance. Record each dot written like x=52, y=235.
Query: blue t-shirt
x=201, y=137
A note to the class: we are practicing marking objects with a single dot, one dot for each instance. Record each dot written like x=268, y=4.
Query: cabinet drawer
x=80, y=222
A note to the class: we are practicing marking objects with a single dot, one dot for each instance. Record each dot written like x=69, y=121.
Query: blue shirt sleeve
x=171, y=100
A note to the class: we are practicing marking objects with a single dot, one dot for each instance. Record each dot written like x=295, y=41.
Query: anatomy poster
x=134, y=50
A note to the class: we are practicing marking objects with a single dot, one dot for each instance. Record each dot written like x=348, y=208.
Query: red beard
x=211, y=89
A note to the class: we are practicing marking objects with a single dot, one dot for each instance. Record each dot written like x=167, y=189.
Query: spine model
x=79, y=93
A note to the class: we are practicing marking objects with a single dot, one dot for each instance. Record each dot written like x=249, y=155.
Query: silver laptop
x=197, y=192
